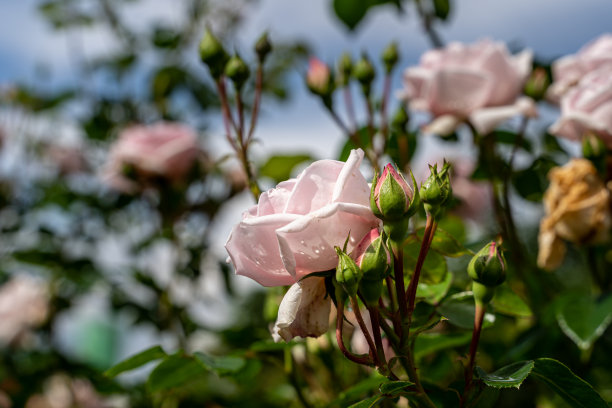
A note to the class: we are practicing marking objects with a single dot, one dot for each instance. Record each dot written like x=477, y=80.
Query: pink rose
x=587, y=108
x=165, y=150
x=480, y=82
x=293, y=229
x=567, y=71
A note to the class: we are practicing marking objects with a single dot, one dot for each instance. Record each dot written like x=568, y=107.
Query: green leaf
x=364, y=140
x=434, y=268
x=444, y=243
x=507, y=302
x=428, y=343
x=511, y=375
x=351, y=12
x=510, y=138
x=368, y=403
x=531, y=182
x=584, y=320
x=221, y=365
x=358, y=390
x=442, y=8
x=459, y=310
x=135, y=361
x=573, y=389
x=279, y=167
x=401, y=147
x=434, y=292
x=174, y=371
x=394, y=388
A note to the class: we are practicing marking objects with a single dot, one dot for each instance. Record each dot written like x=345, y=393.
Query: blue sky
x=550, y=27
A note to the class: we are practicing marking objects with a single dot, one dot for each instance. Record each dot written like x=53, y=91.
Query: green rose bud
x=370, y=291
x=372, y=256
x=345, y=68
x=400, y=118
x=488, y=266
x=263, y=47
x=213, y=54
x=594, y=149
x=390, y=56
x=364, y=73
x=237, y=71
x=537, y=84
x=436, y=190
x=348, y=273
x=391, y=198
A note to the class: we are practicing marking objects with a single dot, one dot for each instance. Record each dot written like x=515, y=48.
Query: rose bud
x=436, y=190
x=319, y=78
x=263, y=47
x=370, y=291
x=400, y=119
x=372, y=256
x=364, y=73
x=391, y=198
x=348, y=273
x=537, y=84
x=594, y=149
x=488, y=266
x=345, y=68
x=237, y=71
x=213, y=54
x=390, y=56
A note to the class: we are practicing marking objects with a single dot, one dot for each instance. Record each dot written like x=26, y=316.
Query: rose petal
x=254, y=251
x=304, y=311
x=551, y=250
x=307, y=244
x=458, y=92
x=350, y=186
x=443, y=125
x=275, y=200
x=314, y=187
x=486, y=119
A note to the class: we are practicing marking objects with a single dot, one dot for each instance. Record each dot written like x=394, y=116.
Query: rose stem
x=350, y=111
x=365, y=360
x=478, y=318
x=292, y=375
x=384, y=128
x=375, y=319
x=227, y=118
x=430, y=228
x=353, y=138
x=364, y=329
x=426, y=20
x=240, y=110
x=256, y=102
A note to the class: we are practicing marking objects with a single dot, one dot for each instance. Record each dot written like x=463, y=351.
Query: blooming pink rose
x=293, y=229
x=569, y=70
x=481, y=82
x=165, y=150
x=587, y=108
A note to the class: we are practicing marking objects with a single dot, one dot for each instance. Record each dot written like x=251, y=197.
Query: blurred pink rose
x=165, y=150
x=587, y=108
x=569, y=70
x=24, y=303
x=293, y=229
x=318, y=77
x=481, y=82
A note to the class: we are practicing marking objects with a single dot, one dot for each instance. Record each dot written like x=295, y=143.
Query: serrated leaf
x=434, y=292
x=174, y=371
x=393, y=388
x=428, y=343
x=222, y=365
x=279, y=167
x=459, y=310
x=367, y=403
x=584, y=320
x=573, y=389
x=135, y=361
x=509, y=376
x=505, y=301
x=444, y=243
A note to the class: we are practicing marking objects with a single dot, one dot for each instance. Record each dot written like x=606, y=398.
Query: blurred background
x=91, y=274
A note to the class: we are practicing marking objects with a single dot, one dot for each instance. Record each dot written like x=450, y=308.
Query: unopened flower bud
x=237, y=71
x=370, y=291
x=594, y=149
x=390, y=56
x=345, y=68
x=372, y=256
x=263, y=47
x=364, y=73
x=348, y=273
x=213, y=54
x=391, y=198
x=319, y=78
x=537, y=84
x=436, y=190
x=488, y=266
x=400, y=118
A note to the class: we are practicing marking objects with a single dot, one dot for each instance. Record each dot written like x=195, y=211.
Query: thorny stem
x=365, y=360
x=430, y=228
x=256, y=102
x=469, y=372
x=364, y=329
